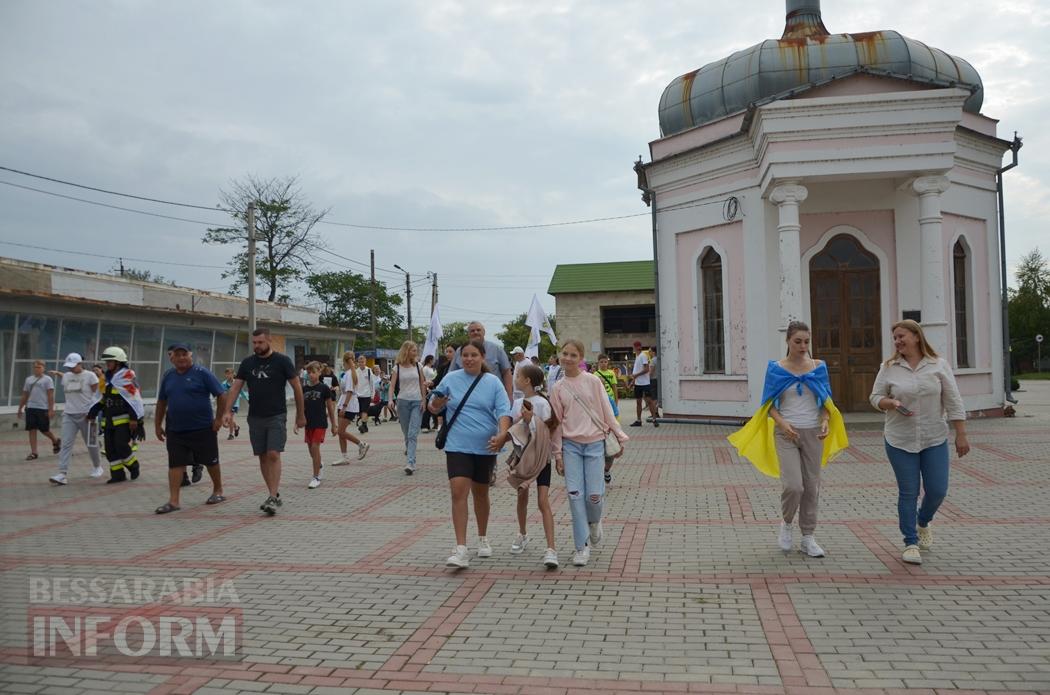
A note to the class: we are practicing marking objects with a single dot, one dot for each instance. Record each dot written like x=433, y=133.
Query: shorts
x=196, y=448
x=363, y=403
x=268, y=433
x=477, y=467
x=643, y=391
x=315, y=435
x=544, y=478
x=37, y=419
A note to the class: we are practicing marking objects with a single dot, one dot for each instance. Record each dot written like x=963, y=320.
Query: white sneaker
x=808, y=545
x=315, y=482
x=484, y=549
x=362, y=449
x=459, y=559
x=912, y=555
x=784, y=538
x=925, y=538
x=341, y=462
x=580, y=557
x=98, y=472
x=596, y=533
x=519, y=544
x=59, y=479
x=550, y=558
x=409, y=470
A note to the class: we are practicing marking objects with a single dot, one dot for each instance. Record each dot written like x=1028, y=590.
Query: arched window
x=712, y=318
x=962, y=308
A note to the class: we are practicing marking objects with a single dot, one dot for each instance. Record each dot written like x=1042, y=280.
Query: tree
x=347, y=299
x=284, y=233
x=454, y=333
x=141, y=275
x=515, y=332
x=1029, y=308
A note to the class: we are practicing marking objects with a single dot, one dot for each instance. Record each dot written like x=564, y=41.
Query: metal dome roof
x=804, y=56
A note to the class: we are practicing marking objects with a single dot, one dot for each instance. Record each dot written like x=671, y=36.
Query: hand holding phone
x=904, y=411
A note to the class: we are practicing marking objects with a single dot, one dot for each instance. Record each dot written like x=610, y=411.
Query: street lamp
x=408, y=301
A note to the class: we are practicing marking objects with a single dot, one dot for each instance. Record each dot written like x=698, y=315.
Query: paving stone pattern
x=345, y=590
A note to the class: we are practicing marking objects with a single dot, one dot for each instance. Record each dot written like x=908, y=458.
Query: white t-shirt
x=364, y=383
x=408, y=383
x=79, y=394
x=540, y=409
x=640, y=362
x=38, y=388
x=347, y=396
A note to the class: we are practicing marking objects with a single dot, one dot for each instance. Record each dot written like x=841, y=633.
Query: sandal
x=166, y=508
x=32, y=457
x=215, y=499
x=57, y=447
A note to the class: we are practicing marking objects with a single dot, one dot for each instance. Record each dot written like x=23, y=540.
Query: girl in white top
x=347, y=406
x=916, y=389
x=406, y=381
x=534, y=407
x=364, y=392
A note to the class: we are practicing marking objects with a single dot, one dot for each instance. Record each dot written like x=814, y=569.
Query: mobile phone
x=904, y=411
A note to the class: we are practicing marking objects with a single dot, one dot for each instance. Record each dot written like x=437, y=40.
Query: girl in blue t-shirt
x=471, y=442
x=227, y=383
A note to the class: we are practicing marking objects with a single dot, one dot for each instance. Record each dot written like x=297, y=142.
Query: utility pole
x=408, y=301
x=251, y=269
x=433, y=292
x=372, y=310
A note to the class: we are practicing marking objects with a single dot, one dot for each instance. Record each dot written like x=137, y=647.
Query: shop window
x=961, y=281
x=712, y=318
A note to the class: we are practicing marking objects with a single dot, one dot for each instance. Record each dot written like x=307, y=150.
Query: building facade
x=845, y=180
x=607, y=306
x=48, y=312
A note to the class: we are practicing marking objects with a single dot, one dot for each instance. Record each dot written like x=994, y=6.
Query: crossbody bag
x=613, y=447
x=442, y=435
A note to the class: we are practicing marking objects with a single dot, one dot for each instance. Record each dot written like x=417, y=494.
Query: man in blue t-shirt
x=185, y=420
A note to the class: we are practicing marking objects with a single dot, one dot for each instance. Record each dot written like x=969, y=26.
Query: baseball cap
x=73, y=359
x=637, y=343
x=180, y=346
x=517, y=350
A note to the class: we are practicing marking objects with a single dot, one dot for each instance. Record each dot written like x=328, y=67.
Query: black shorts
x=37, y=419
x=196, y=448
x=643, y=391
x=477, y=467
x=544, y=478
x=363, y=402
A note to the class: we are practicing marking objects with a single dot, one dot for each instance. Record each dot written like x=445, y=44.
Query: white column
x=787, y=197
x=934, y=304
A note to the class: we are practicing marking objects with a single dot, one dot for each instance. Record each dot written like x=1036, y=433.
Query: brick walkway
x=345, y=591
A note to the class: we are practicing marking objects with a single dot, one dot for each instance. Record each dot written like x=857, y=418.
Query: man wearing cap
x=643, y=389
x=517, y=358
x=185, y=422
x=81, y=389
x=122, y=412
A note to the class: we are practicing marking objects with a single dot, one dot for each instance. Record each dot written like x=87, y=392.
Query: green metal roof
x=602, y=277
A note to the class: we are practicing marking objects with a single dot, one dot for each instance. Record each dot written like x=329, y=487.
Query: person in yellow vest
x=795, y=432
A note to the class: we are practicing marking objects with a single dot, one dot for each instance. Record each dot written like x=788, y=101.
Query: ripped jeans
x=585, y=485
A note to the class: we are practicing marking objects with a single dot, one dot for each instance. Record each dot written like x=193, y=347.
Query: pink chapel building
x=847, y=180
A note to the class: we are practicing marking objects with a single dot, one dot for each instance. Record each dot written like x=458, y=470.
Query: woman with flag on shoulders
x=795, y=432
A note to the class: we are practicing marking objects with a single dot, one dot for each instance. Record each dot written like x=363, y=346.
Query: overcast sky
x=434, y=113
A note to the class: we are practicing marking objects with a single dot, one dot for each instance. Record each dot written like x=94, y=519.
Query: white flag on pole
x=539, y=323
x=434, y=334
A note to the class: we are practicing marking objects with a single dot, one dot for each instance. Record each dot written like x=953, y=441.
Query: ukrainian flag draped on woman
x=754, y=441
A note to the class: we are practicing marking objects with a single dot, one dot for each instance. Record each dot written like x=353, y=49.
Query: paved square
x=345, y=590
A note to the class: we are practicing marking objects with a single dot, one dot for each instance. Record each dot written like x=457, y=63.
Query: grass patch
x=1033, y=376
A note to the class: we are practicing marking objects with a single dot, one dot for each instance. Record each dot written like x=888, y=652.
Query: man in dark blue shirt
x=189, y=427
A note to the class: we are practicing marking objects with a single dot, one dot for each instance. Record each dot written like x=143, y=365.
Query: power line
x=112, y=258
x=118, y=193
x=106, y=205
x=351, y=225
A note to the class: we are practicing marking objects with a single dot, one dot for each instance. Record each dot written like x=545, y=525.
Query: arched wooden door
x=844, y=306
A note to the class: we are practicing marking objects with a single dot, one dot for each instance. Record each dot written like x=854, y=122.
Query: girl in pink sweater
x=578, y=401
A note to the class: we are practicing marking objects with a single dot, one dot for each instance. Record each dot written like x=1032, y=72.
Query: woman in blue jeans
x=410, y=393
x=916, y=389
x=578, y=444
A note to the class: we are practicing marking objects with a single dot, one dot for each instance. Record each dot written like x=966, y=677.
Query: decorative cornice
x=788, y=193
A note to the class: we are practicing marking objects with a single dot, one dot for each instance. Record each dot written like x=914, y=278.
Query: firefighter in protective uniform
x=122, y=411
